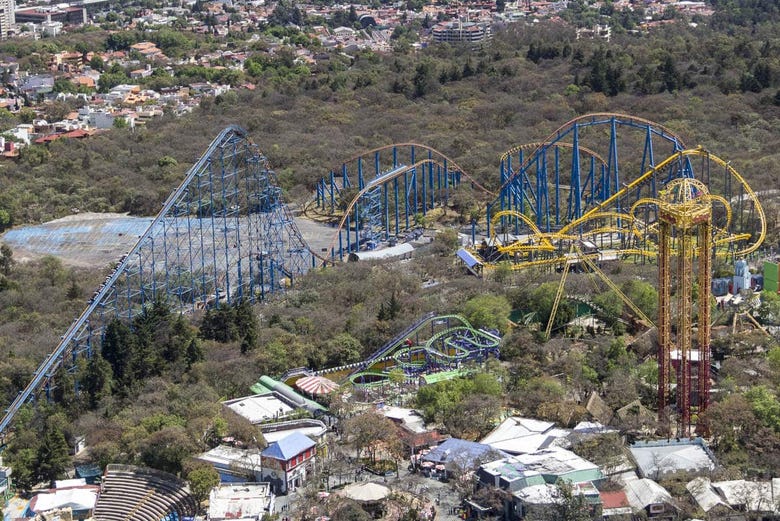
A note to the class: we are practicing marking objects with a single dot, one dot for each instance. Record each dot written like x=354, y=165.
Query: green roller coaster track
x=445, y=349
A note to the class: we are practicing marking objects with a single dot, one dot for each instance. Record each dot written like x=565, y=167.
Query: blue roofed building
x=458, y=456
x=287, y=463
x=473, y=264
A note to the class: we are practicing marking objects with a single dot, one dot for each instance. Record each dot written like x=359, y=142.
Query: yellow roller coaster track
x=626, y=223
x=691, y=152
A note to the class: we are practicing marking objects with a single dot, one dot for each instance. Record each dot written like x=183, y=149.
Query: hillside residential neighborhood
x=235, y=33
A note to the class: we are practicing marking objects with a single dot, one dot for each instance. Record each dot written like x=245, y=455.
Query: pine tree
x=96, y=381
x=117, y=348
x=194, y=352
x=393, y=307
x=52, y=457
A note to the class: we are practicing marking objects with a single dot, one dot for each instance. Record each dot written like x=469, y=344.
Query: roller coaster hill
x=226, y=235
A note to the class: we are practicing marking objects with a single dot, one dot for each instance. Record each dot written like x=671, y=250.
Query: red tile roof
x=614, y=499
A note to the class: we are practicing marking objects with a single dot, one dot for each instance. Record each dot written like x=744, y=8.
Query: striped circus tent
x=316, y=385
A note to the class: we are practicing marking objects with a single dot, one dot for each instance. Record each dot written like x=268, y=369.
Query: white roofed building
x=262, y=408
x=233, y=464
x=516, y=435
x=648, y=496
x=657, y=459
x=241, y=501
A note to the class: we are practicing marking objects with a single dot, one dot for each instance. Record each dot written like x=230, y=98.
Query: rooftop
x=517, y=435
x=560, y=463
x=258, y=408
x=642, y=493
x=661, y=458
x=409, y=418
x=311, y=428
x=615, y=499
x=240, y=501
x=701, y=490
x=467, y=454
x=754, y=496
x=539, y=494
x=288, y=447
x=226, y=456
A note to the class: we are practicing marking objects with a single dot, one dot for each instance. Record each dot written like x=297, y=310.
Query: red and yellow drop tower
x=685, y=242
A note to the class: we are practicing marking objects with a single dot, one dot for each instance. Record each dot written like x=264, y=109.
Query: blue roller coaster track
x=377, y=195
x=223, y=235
x=583, y=163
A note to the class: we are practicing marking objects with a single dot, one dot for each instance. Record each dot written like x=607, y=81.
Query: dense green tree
x=117, y=348
x=202, y=479
x=541, y=300
x=167, y=448
x=488, y=311
x=52, y=456
x=765, y=406
x=109, y=80
x=769, y=310
x=97, y=380
x=343, y=349
x=220, y=324
x=643, y=295
x=424, y=79
x=6, y=260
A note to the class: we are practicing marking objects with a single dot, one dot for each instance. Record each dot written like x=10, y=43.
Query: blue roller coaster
x=376, y=196
x=223, y=235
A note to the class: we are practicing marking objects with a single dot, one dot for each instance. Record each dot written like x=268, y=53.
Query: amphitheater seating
x=130, y=493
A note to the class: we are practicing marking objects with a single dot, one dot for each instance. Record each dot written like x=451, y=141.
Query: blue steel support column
x=361, y=180
x=406, y=198
x=213, y=230
x=201, y=235
x=575, y=175
x=541, y=185
x=521, y=177
x=395, y=197
x=387, y=211
x=357, y=226
x=613, y=158
x=424, y=196
x=167, y=268
x=430, y=184
x=415, y=182
x=648, y=161
x=506, y=165
x=332, y=192
x=377, y=168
